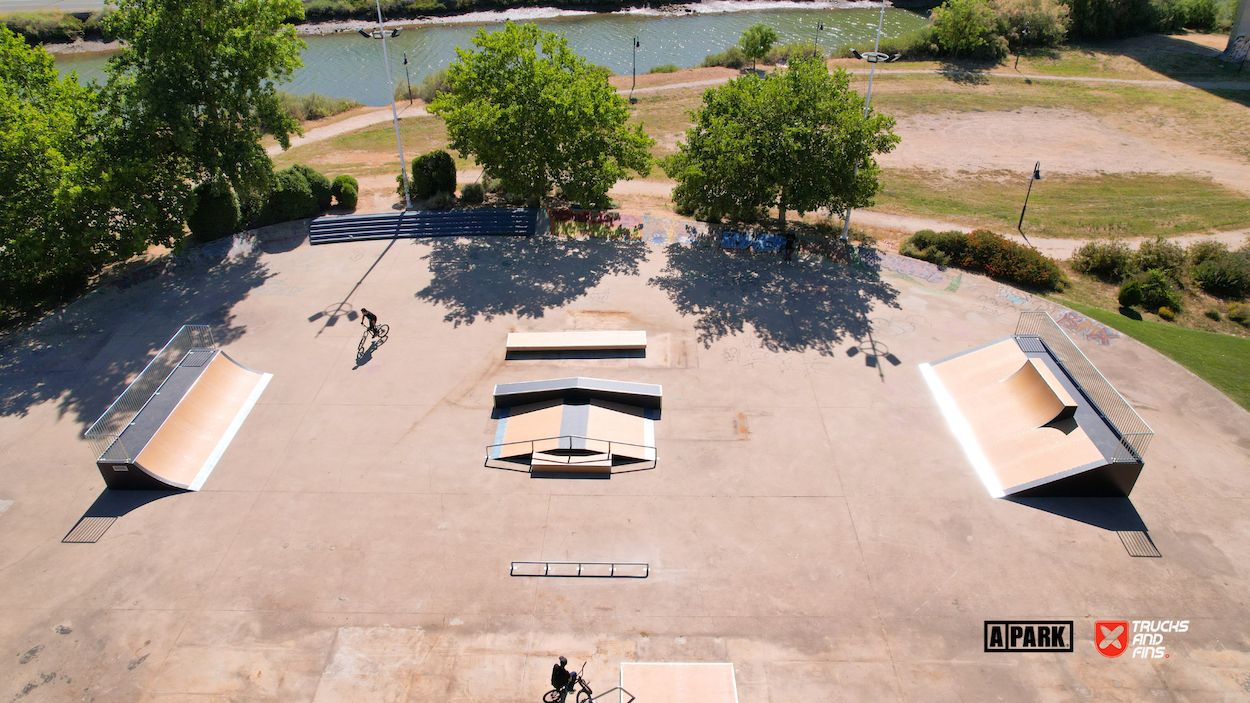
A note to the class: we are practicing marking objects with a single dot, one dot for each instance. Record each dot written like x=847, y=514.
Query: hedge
x=986, y=252
x=216, y=212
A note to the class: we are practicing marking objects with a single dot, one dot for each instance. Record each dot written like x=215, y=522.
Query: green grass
x=1069, y=206
x=1218, y=359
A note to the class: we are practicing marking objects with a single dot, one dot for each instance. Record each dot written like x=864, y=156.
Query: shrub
x=319, y=184
x=472, y=194
x=40, y=27
x=1239, y=313
x=789, y=52
x=1167, y=313
x=314, y=106
x=987, y=252
x=1108, y=19
x=345, y=190
x=1158, y=291
x=96, y=25
x=1226, y=276
x=1046, y=20
x=433, y=172
x=731, y=57
x=1111, y=261
x=1130, y=294
x=442, y=200
x=1161, y=255
x=1199, y=252
x=968, y=28
x=291, y=198
x=492, y=185
x=1213, y=313
x=432, y=85
x=666, y=68
x=216, y=212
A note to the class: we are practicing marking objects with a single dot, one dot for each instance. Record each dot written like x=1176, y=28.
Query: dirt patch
x=1065, y=141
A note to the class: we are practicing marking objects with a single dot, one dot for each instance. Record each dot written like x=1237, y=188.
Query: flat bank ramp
x=186, y=448
x=678, y=682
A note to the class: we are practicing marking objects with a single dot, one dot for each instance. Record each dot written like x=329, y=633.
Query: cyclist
x=369, y=320
x=562, y=679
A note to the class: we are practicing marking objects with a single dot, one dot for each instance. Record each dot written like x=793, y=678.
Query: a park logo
x=1111, y=637
x=1028, y=636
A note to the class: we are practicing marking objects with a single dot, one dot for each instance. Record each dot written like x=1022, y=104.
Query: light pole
x=634, y=70
x=1037, y=176
x=408, y=77
x=403, y=171
x=873, y=57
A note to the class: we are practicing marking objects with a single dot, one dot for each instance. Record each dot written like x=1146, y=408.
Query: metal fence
x=105, y=435
x=1133, y=431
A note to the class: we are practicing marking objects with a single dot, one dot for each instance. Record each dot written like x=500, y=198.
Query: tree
x=58, y=226
x=790, y=140
x=756, y=41
x=536, y=115
x=961, y=27
x=196, y=89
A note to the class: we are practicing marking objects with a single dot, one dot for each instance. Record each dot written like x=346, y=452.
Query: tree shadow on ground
x=810, y=304
x=489, y=277
x=965, y=72
x=85, y=354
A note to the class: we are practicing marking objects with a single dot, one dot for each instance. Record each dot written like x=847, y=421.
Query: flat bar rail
x=105, y=433
x=1134, y=433
x=422, y=224
x=615, y=570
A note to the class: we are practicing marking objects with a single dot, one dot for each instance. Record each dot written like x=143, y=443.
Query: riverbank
x=462, y=13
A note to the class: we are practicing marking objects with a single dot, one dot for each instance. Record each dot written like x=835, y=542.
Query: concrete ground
x=811, y=520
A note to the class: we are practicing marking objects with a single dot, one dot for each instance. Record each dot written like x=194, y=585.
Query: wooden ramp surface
x=1008, y=400
x=187, y=446
x=598, y=340
x=679, y=682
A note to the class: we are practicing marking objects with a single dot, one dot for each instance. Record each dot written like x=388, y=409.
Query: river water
x=345, y=64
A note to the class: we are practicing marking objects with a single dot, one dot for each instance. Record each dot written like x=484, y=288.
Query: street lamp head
x=1037, y=171
x=857, y=54
x=637, y=44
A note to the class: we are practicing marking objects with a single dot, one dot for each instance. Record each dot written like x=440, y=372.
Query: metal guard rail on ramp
x=421, y=224
x=581, y=573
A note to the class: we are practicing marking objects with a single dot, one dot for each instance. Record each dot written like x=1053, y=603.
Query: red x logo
x=1111, y=637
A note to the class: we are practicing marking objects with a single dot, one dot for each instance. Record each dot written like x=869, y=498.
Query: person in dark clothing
x=370, y=321
x=561, y=678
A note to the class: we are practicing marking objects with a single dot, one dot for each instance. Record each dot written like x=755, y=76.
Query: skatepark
x=802, y=511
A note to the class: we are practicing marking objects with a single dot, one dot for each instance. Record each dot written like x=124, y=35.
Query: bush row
x=986, y=252
x=55, y=27
x=294, y=193
x=1208, y=263
x=314, y=106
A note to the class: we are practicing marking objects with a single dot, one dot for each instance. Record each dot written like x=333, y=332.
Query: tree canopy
x=196, y=81
x=537, y=116
x=756, y=41
x=790, y=140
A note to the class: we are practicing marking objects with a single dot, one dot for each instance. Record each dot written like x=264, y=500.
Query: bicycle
x=585, y=695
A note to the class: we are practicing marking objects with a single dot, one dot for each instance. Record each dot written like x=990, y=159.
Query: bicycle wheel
x=383, y=331
x=583, y=696
x=553, y=696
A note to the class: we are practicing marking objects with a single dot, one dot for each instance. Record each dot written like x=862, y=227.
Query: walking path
x=351, y=124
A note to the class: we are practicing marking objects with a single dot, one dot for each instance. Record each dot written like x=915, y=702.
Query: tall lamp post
x=403, y=172
x=634, y=70
x=408, y=78
x=873, y=57
x=1037, y=176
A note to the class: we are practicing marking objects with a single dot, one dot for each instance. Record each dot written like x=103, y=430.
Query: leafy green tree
x=756, y=41
x=963, y=27
x=60, y=221
x=196, y=88
x=790, y=140
x=537, y=116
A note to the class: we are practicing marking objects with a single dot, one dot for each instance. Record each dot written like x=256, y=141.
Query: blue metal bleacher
x=419, y=224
